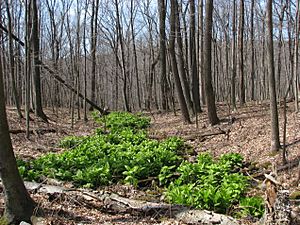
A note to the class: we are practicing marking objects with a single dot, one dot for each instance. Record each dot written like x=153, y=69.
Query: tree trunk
x=296, y=57
x=18, y=204
x=137, y=78
x=12, y=62
x=36, y=62
x=182, y=102
x=201, y=55
x=275, y=144
x=123, y=63
x=162, y=50
x=252, y=72
x=210, y=96
x=181, y=63
x=193, y=61
x=233, y=55
x=94, y=29
x=27, y=66
x=241, y=54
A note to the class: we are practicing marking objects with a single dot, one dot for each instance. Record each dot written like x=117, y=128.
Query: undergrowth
x=120, y=151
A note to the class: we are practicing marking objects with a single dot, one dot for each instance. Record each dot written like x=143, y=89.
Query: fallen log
x=116, y=204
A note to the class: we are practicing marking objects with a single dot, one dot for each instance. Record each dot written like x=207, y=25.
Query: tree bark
x=18, y=204
x=37, y=70
x=296, y=57
x=241, y=54
x=193, y=60
x=252, y=72
x=162, y=50
x=94, y=29
x=12, y=62
x=275, y=143
x=233, y=55
x=182, y=102
x=123, y=61
x=181, y=63
x=210, y=96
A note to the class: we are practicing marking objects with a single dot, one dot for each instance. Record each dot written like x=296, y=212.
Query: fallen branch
x=192, y=137
x=289, y=165
x=113, y=203
x=39, y=131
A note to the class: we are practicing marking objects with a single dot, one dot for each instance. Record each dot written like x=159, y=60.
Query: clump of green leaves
x=120, y=151
x=124, y=153
x=120, y=120
x=210, y=184
x=251, y=206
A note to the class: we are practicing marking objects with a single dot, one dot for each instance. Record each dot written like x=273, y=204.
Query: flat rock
x=191, y=216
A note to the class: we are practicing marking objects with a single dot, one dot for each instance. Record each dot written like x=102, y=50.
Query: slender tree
x=275, y=143
x=182, y=65
x=18, y=204
x=37, y=67
x=252, y=70
x=193, y=58
x=12, y=61
x=162, y=52
x=94, y=32
x=201, y=47
x=241, y=53
x=233, y=55
x=182, y=102
x=209, y=92
x=296, y=57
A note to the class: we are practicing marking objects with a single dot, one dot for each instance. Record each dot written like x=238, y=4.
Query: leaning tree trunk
x=181, y=64
x=182, y=102
x=18, y=204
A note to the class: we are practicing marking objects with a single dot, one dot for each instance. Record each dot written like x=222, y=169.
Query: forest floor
x=249, y=135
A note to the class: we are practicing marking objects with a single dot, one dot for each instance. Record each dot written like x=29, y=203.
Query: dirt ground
x=247, y=131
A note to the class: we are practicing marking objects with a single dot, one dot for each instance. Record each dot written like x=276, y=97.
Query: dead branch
x=192, y=137
x=39, y=131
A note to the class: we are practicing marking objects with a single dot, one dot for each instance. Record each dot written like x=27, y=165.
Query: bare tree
x=123, y=61
x=94, y=32
x=209, y=92
x=296, y=57
x=182, y=102
x=233, y=55
x=12, y=61
x=252, y=70
x=275, y=143
x=37, y=67
x=18, y=204
x=162, y=52
x=241, y=53
x=192, y=58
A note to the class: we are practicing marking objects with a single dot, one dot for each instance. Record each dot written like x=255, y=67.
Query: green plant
x=209, y=184
x=120, y=120
x=253, y=206
x=125, y=155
